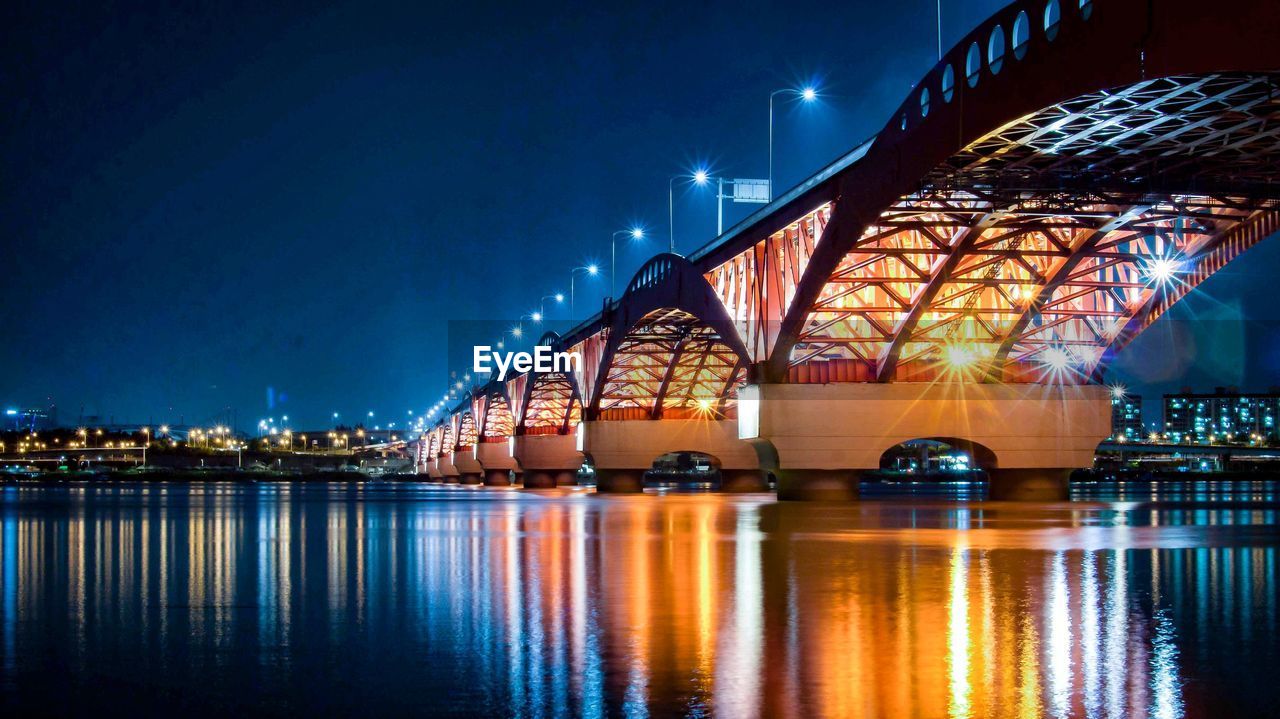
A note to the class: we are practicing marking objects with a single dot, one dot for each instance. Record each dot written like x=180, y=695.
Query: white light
x=592, y=269
x=1117, y=392
x=536, y=316
x=637, y=233
x=517, y=332
x=700, y=177
x=1056, y=358
x=808, y=94
x=1162, y=269
x=559, y=297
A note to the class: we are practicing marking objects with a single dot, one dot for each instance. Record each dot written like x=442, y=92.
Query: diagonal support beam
x=887, y=362
x=1083, y=251
x=655, y=412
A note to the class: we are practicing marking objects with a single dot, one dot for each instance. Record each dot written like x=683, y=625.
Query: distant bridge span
x=1050, y=188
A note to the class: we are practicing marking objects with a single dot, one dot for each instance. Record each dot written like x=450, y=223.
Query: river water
x=394, y=599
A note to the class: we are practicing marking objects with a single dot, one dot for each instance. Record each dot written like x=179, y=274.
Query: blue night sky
x=278, y=209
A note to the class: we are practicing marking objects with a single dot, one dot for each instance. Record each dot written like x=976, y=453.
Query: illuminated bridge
x=1048, y=190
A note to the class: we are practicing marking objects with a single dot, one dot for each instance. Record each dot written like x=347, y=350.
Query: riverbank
x=210, y=475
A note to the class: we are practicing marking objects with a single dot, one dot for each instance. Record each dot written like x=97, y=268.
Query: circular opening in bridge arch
x=995, y=49
x=937, y=456
x=948, y=83
x=1021, y=34
x=924, y=102
x=684, y=469
x=973, y=64
x=1052, y=17
x=1086, y=8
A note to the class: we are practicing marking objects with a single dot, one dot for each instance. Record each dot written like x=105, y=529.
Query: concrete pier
x=1040, y=484
x=547, y=460
x=826, y=436
x=623, y=450
x=497, y=461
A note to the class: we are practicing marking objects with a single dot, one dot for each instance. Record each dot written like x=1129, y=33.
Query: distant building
x=1227, y=415
x=1126, y=417
x=30, y=420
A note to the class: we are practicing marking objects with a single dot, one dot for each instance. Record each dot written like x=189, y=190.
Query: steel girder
x=553, y=404
x=668, y=361
x=499, y=421
x=448, y=435
x=988, y=286
x=1004, y=267
x=758, y=285
x=550, y=402
x=671, y=349
x=1127, y=106
x=468, y=430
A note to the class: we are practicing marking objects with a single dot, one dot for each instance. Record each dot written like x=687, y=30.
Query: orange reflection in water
x=648, y=605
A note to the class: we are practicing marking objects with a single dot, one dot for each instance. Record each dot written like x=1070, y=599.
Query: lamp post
x=637, y=233
x=590, y=270
x=699, y=178
x=542, y=304
x=807, y=94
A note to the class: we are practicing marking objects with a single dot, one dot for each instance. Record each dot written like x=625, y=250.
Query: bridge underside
x=553, y=405
x=1032, y=253
x=673, y=365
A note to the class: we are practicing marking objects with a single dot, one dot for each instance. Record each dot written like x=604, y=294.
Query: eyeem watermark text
x=543, y=359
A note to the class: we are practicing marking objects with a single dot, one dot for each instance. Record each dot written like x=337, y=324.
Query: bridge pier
x=819, y=485
x=497, y=478
x=623, y=450
x=736, y=481
x=448, y=471
x=433, y=471
x=496, y=459
x=1027, y=436
x=547, y=460
x=469, y=469
x=1046, y=484
x=620, y=481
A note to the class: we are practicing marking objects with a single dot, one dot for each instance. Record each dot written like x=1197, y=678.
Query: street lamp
x=699, y=178
x=591, y=270
x=542, y=306
x=636, y=233
x=807, y=94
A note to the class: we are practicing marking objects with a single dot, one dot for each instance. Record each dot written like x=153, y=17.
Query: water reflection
x=409, y=599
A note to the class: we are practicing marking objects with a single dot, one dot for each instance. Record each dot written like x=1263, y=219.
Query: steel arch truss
x=468, y=431
x=553, y=405
x=670, y=348
x=1029, y=253
x=499, y=422
x=1203, y=134
x=670, y=364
